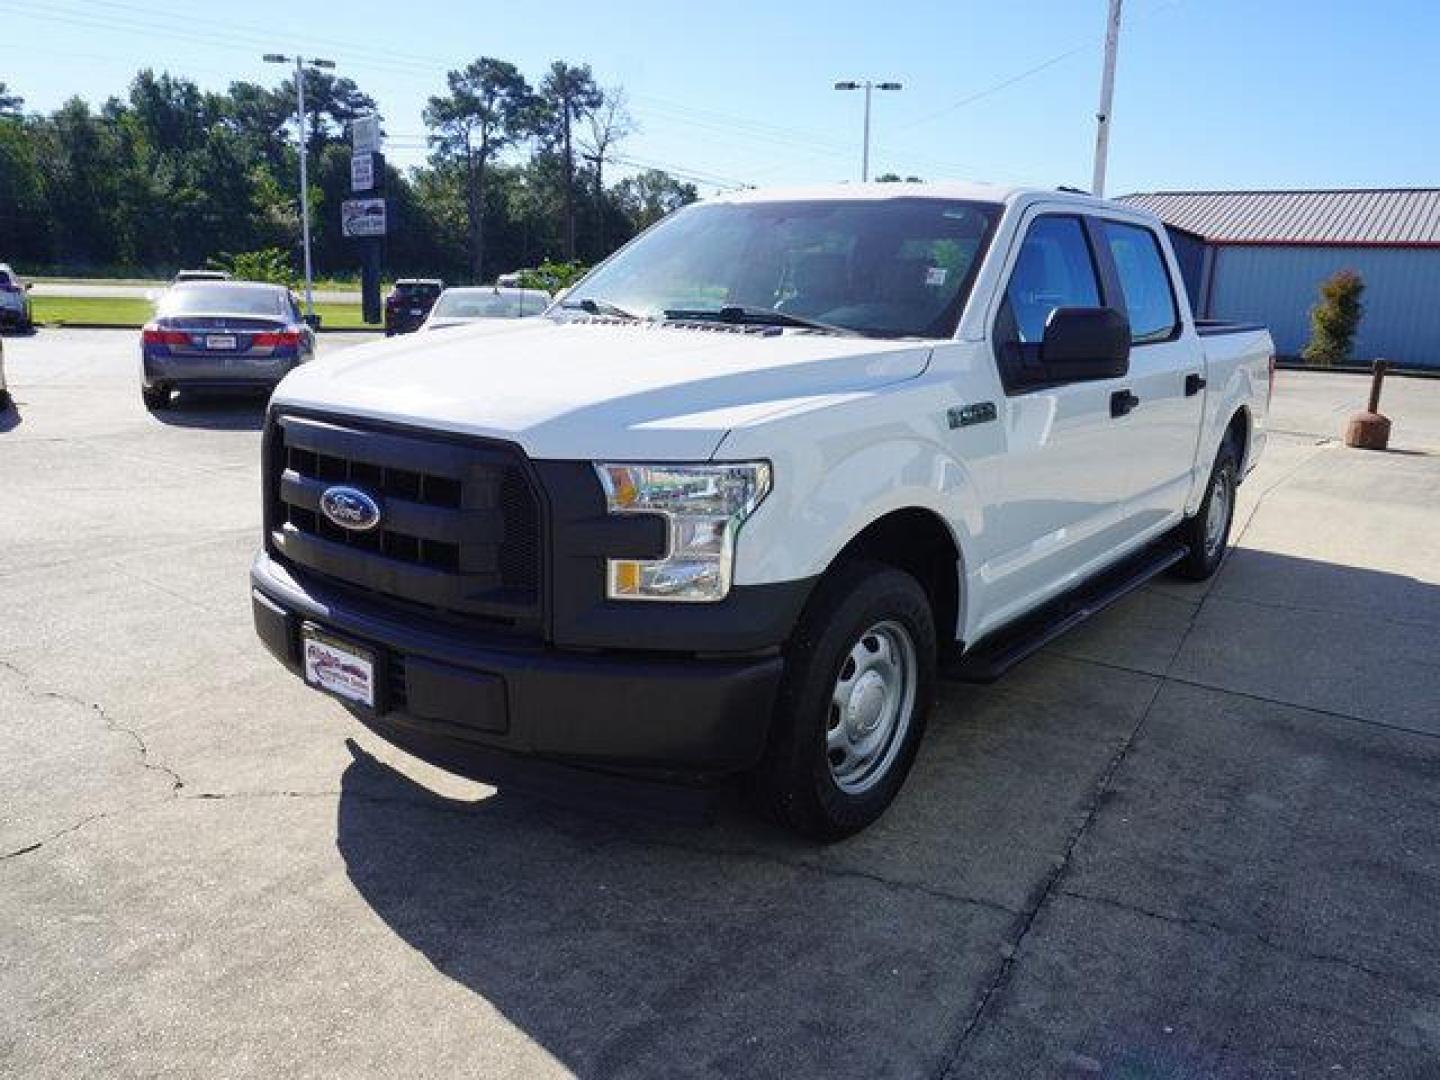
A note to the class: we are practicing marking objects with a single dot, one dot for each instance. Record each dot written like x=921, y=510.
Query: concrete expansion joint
x=1047, y=887
x=760, y=858
x=1264, y=940
x=1049, y=884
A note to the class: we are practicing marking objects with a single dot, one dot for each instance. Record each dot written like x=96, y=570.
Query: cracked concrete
x=1197, y=837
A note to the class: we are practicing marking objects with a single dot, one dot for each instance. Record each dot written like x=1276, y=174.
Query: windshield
x=488, y=304
x=226, y=299
x=890, y=268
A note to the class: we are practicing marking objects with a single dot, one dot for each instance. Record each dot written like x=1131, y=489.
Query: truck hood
x=583, y=389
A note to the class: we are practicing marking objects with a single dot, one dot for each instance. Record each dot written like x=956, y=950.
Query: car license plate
x=338, y=667
x=417, y=311
x=220, y=341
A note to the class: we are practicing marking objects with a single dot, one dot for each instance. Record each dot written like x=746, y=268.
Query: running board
x=997, y=654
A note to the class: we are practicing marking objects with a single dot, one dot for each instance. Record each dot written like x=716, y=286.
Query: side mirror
x=29, y=285
x=312, y=321
x=1086, y=343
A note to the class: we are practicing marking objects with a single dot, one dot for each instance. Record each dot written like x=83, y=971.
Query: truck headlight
x=704, y=507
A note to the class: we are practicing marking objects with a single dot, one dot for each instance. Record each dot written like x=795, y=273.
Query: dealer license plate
x=338, y=667
x=220, y=341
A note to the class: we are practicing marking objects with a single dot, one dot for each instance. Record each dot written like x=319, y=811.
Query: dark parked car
x=410, y=302
x=14, y=301
x=213, y=335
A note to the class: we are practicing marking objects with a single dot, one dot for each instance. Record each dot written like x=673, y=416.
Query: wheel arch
x=1238, y=429
x=919, y=541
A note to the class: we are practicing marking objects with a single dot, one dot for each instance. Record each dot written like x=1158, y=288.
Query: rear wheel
x=859, y=679
x=5, y=400
x=1207, y=533
x=155, y=397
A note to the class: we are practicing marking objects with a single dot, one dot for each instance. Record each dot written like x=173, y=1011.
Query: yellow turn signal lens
x=625, y=577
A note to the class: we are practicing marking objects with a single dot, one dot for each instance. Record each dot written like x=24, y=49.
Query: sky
x=1209, y=93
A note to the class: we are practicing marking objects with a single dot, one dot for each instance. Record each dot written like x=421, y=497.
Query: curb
x=1358, y=369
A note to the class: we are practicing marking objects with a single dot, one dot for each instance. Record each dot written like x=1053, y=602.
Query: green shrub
x=1334, y=320
x=268, y=264
x=550, y=276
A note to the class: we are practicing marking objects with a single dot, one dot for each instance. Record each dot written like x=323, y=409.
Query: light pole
x=1107, y=95
x=867, y=86
x=300, y=65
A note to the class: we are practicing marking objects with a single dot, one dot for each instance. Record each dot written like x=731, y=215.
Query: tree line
x=172, y=175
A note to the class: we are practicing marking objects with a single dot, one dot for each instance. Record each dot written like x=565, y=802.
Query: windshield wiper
x=598, y=307
x=748, y=315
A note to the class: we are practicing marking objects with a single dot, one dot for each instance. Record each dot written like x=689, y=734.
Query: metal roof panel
x=1360, y=216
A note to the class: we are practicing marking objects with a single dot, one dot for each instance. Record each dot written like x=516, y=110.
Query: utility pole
x=867, y=86
x=1107, y=96
x=300, y=65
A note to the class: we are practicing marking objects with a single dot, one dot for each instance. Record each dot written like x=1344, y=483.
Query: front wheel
x=1207, y=533
x=859, y=681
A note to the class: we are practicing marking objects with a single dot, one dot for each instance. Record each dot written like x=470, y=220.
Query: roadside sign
x=365, y=134
x=362, y=172
x=362, y=217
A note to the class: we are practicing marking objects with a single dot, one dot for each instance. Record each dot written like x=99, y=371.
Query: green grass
x=99, y=311
x=90, y=311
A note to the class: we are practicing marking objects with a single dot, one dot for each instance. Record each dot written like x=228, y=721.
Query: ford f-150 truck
x=734, y=504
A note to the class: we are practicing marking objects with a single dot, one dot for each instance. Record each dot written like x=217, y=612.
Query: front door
x=1060, y=508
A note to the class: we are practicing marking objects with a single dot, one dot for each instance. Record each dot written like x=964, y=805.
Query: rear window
x=487, y=304
x=413, y=291
x=218, y=299
x=1144, y=280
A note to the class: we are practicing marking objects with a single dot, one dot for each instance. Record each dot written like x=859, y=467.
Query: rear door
x=1166, y=372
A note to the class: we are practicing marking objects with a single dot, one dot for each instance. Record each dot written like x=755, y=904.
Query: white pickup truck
x=734, y=504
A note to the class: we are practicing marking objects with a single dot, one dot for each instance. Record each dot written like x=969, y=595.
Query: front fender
x=821, y=503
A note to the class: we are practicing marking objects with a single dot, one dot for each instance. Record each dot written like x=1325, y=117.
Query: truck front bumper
x=468, y=700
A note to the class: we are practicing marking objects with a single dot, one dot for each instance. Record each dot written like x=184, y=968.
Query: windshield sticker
x=935, y=275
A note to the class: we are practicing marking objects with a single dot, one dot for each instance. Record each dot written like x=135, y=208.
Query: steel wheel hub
x=871, y=706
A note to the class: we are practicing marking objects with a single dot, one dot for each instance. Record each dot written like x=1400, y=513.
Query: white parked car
x=735, y=503
x=15, y=310
x=467, y=304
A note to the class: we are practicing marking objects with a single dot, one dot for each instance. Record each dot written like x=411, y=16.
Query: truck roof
x=946, y=189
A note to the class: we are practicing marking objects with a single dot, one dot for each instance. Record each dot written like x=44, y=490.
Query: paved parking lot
x=1198, y=837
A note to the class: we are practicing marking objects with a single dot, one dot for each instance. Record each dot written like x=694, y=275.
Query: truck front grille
x=459, y=523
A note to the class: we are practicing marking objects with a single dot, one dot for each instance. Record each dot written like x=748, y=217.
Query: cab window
x=1144, y=282
x=1055, y=269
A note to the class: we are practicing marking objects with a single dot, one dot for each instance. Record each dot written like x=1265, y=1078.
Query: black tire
x=155, y=397
x=1208, y=544
x=796, y=783
x=5, y=400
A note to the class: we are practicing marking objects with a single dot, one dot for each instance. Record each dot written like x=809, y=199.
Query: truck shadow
x=647, y=953
x=628, y=947
x=215, y=411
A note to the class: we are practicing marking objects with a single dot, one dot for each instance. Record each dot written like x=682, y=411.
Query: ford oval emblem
x=350, y=508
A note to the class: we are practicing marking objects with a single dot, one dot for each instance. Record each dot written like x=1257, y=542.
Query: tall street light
x=867, y=86
x=300, y=65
